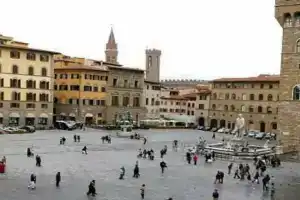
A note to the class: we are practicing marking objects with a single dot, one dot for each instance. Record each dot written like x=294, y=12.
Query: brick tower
x=111, y=51
x=287, y=13
x=153, y=65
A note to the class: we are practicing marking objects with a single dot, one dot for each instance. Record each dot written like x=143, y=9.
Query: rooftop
x=81, y=67
x=259, y=78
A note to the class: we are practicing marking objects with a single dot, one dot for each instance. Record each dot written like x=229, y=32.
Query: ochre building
x=287, y=14
x=256, y=98
x=26, y=84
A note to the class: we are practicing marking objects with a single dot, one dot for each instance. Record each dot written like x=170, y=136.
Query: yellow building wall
x=63, y=96
x=23, y=64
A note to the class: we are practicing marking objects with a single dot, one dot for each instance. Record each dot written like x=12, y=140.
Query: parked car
x=227, y=130
x=29, y=129
x=268, y=136
x=214, y=129
x=232, y=132
x=252, y=133
x=200, y=127
x=260, y=135
x=207, y=128
x=221, y=130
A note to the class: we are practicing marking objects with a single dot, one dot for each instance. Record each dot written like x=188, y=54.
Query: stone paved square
x=103, y=162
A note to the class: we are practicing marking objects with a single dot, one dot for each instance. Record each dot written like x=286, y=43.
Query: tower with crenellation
x=153, y=65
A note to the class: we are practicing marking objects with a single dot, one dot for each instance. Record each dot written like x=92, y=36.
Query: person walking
x=57, y=179
x=143, y=191
x=215, y=195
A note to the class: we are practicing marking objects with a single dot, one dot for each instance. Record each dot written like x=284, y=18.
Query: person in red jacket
x=195, y=158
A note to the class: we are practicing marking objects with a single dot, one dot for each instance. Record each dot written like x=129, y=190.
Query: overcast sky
x=198, y=38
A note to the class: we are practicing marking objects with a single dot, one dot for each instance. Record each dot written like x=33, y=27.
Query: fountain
x=237, y=146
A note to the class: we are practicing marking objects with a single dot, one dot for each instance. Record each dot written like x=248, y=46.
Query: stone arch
x=222, y=123
x=270, y=97
x=260, y=97
x=259, y=109
x=262, y=126
x=251, y=108
x=233, y=96
x=269, y=109
x=201, y=121
x=213, y=123
x=30, y=70
x=296, y=92
x=243, y=108
x=252, y=97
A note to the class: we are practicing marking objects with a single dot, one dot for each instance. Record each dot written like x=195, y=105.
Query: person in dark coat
x=75, y=138
x=78, y=138
x=33, y=178
x=29, y=153
x=229, y=168
x=188, y=157
x=122, y=173
x=92, y=189
x=84, y=150
x=136, y=171
x=38, y=161
x=163, y=165
x=265, y=181
x=215, y=195
x=57, y=179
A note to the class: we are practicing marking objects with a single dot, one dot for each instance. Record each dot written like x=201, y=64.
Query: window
x=30, y=97
x=126, y=83
x=244, y=97
x=147, y=101
x=30, y=56
x=91, y=102
x=270, y=86
x=136, y=102
x=270, y=97
x=201, y=106
x=74, y=87
x=225, y=108
x=30, y=71
x=269, y=110
x=30, y=105
x=2, y=96
x=99, y=114
x=63, y=87
x=95, y=89
x=296, y=92
x=261, y=86
x=251, y=97
x=15, y=83
x=213, y=106
x=44, y=58
x=226, y=96
x=15, y=69
x=126, y=101
x=44, y=97
x=297, y=19
x=192, y=112
x=214, y=96
x=260, y=97
x=243, y=108
x=15, y=54
x=149, y=61
x=103, y=89
x=102, y=102
x=251, y=109
x=152, y=101
x=44, y=71
x=70, y=101
x=14, y=105
x=87, y=88
x=115, y=82
x=203, y=97
x=1, y=82
x=115, y=100
x=30, y=84
x=259, y=109
x=232, y=108
x=233, y=96
x=43, y=121
x=136, y=84
x=288, y=22
x=252, y=85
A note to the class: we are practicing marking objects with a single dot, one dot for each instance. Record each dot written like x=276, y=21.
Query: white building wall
x=152, y=100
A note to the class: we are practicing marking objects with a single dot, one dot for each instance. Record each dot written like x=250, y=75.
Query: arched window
x=261, y=97
x=297, y=19
x=296, y=92
x=214, y=96
x=252, y=97
x=232, y=108
x=30, y=84
x=44, y=71
x=269, y=109
x=233, y=96
x=259, y=109
x=30, y=71
x=213, y=106
x=221, y=96
x=226, y=96
x=288, y=21
x=270, y=97
x=298, y=46
x=15, y=69
x=244, y=97
x=243, y=108
x=225, y=108
x=251, y=109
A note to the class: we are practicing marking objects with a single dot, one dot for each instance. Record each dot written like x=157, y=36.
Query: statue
x=239, y=126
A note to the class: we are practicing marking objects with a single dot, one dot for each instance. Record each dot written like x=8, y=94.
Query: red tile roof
x=260, y=78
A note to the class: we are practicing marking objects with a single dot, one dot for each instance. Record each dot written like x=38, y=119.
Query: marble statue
x=240, y=126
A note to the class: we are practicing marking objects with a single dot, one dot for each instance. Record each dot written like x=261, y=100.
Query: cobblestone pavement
x=103, y=162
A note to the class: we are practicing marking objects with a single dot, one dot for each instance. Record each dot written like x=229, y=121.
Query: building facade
x=152, y=94
x=81, y=93
x=256, y=98
x=287, y=14
x=26, y=84
x=125, y=93
x=202, y=105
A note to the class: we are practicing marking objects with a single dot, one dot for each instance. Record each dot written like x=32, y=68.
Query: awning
x=72, y=115
x=89, y=115
x=43, y=115
x=1, y=115
x=62, y=114
x=14, y=115
x=30, y=115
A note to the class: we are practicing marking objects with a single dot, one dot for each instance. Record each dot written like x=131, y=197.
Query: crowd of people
x=242, y=171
